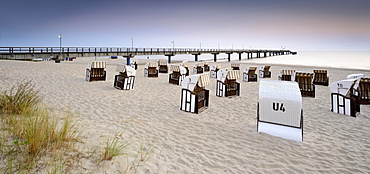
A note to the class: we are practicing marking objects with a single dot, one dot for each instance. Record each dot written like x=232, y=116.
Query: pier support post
x=229, y=56
x=264, y=54
x=128, y=57
x=240, y=56
x=196, y=54
x=169, y=57
x=215, y=56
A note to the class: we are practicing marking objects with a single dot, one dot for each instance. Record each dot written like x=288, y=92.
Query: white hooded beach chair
x=126, y=77
x=287, y=75
x=151, y=69
x=163, y=66
x=249, y=74
x=235, y=66
x=96, y=71
x=214, y=69
x=227, y=84
x=178, y=74
x=194, y=96
x=185, y=64
x=206, y=66
x=198, y=68
x=343, y=98
x=265, y=72
x=280, y=109
x=134, y=64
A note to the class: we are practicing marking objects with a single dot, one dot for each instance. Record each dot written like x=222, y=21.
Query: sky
x=310, y=25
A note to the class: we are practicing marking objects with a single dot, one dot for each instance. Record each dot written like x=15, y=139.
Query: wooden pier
x=28, y=53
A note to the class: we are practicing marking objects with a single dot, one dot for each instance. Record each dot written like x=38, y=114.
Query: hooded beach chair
x=363, y=91
x=249, y=74
x=321, y=77
x=235, y=66
x=287, y=75
x=265, y=72
x=279, y=109
x=198, y=68
x=126, y=77
x=134, y=64
x=343, y=97
x=214, y=69
x=96, y=71
x=226, y=83
x=194, y=96
x=305, y=82
x=178, y=74
x=185, y=64
x=163, y=66
x=151, y=69
x=206, y=67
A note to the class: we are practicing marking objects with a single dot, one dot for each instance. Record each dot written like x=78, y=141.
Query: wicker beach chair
x=279, y=109
x=305, y=82
x=206, y=66
x=227, y=84
x=198, y=68
x=321, y=77
x=265, y=72
x=249, y=74
x=151, y=69
x=287, y=75
x=126, y=77
x=363, y=91
x=178, y=74
x=214, y=69
x=235, y=66
x=96, y=71
x=163, y=66
x=194, y=96
x=344, y=97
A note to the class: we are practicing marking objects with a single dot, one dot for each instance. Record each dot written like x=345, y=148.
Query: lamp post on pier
x=60, y=45
x=132, y=44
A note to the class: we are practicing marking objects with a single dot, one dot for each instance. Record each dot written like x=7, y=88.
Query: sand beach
x=221, y=139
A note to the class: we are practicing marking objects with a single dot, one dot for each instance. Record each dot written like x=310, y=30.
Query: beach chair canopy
x=199, y=64
x=162, y=62
x=178, y=68
x=247, y=69
x=355, y=76
x=123, y=68
x=235, y=65
x=287, y=72
x=206, y=63
x=96, y=64
x=343, y=87
x=151, y=65
x=265, y=68
x=228, y=74
x=200, y=80
x=280, y=102
x=214, y=67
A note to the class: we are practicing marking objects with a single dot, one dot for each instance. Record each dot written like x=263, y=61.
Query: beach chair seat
x=198, y=68
x=287, y=75
x=206, y=67
x=279, y=109
x=126, y=77
x=194, y=96
x=178, y=74
x=214, y=69
x=151, y=69
x=96, y=71
x=163, y=66
x=344, y=99
x=306, y=86
x=235, y=66
x=249, y=74
x=321, y=77
x=265, y=72
x=227, y=84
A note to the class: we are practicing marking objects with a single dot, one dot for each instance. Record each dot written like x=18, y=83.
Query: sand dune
x=222, y=139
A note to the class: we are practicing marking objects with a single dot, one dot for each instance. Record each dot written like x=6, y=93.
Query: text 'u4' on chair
x=306, y=86
x=151, y=69
x=198, y=68
x=235, y=66
x=279, y=110
x=214, y=69
x=96, y=71
x=126, y=77
x=265, y=72
x=178, y=74
x=321, y=77
x=227, y=84
x=249, y=74
x=287, y=75
x=343, y=97
x=163, y=66
x=194, y=96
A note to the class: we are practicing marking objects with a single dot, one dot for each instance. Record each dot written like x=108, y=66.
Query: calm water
x=355, y=60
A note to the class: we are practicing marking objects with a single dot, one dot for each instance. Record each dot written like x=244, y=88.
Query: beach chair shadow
x=249, y=74
x=194, y=96
x=265, y=72
x=151, y=69
x=227, y=84
x=305, y=83
x=126, y=77
x=178, y=74
x=287, y=75
x=321, y=77
x=96, y=71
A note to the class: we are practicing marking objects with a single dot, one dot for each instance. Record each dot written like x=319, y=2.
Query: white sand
x=222, y=139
